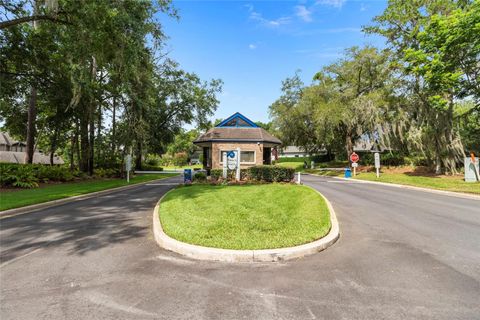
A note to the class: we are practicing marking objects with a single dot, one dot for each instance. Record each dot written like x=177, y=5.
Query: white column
x=238, y=165
x=224, y=159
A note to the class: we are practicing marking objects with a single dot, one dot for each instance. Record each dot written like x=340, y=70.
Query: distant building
x=13, y=151
x=256, y=145
x=292, y=152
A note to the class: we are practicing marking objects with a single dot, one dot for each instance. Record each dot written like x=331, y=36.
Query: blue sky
x=253, y=45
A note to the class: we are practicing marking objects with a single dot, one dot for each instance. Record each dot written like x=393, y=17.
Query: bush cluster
x=29, y=175
x=199, y=177
x=258, y=173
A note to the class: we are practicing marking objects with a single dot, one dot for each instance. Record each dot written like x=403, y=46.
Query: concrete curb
x=227, y=255
x=48, y=204
x=403, y=186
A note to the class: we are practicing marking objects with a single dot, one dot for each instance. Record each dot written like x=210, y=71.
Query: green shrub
x=271, y=173
x=45, y=173
x=21, y=176
x=180, y=159
x=199, y=177
x=106, y=173
x=216, y=174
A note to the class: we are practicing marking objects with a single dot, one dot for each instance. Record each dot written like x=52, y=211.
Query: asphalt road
x=402, y=255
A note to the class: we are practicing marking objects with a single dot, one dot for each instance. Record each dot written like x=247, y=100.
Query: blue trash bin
x=348, y=173
x=187, y=176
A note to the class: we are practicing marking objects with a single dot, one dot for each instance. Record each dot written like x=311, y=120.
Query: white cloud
x=272, y=23
x=252, y=46
x=331, y=3
x=363, y=7
x=303, y=13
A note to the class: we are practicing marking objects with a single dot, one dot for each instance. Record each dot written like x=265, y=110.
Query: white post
x=354, y=171
x=238, y=165
x=299, y=180
x=378, y=172
x=224, y=159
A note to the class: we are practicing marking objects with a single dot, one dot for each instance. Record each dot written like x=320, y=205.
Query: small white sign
x=128, y=163
x=355, y=164
x=377, y=160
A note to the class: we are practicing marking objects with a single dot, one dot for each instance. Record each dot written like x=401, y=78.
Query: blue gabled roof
x=233, y=121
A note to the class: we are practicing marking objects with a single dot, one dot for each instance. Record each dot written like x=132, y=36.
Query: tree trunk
x=72, y=149
x=53, y=146
x=92, y=145
x=138, y=159
x=114, y=109
x=349, y=144
x=77, y=145
x=84, y=143
x=32, y=115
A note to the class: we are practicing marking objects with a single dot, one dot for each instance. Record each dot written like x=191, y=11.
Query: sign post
x=354, y=158
x=128, y=166
x=225, y=166
x=377, y=163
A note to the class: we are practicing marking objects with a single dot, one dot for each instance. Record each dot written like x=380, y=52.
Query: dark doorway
x=267, y=155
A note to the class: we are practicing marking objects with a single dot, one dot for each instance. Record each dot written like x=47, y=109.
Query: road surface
x=402, y=254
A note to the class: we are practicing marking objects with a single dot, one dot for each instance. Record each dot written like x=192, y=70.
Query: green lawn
x=16, y=199
x=441, y=183
x=447, y=183
x=298, y=166
x=246, y=216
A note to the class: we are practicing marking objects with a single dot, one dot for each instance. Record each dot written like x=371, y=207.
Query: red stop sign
x=354, y=157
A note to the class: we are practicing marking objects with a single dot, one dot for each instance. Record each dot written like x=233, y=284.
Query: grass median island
x=262, y=216
x=21, y=198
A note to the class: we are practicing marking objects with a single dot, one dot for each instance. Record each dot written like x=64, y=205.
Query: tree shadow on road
x=81, y=226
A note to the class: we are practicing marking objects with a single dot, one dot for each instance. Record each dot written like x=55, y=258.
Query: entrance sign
x=232, y=159
x=354, y=157
x=128, y=166
x=377, y=163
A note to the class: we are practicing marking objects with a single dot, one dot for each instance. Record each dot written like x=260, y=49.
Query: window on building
x=247, y=156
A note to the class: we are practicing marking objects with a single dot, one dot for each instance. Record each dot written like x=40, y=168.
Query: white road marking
x=18, y=258
x=106, y=301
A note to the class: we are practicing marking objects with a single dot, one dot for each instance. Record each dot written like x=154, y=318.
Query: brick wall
x=216, y=147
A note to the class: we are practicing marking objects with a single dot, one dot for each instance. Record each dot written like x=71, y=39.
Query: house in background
x=237, y=131
x=13, y=151
x=292, y=152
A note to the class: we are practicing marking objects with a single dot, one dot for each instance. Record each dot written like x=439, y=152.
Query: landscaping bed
x=251, y=216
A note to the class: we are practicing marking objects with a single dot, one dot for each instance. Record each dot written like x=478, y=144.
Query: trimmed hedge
x=258, y=173
x=271, y=173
